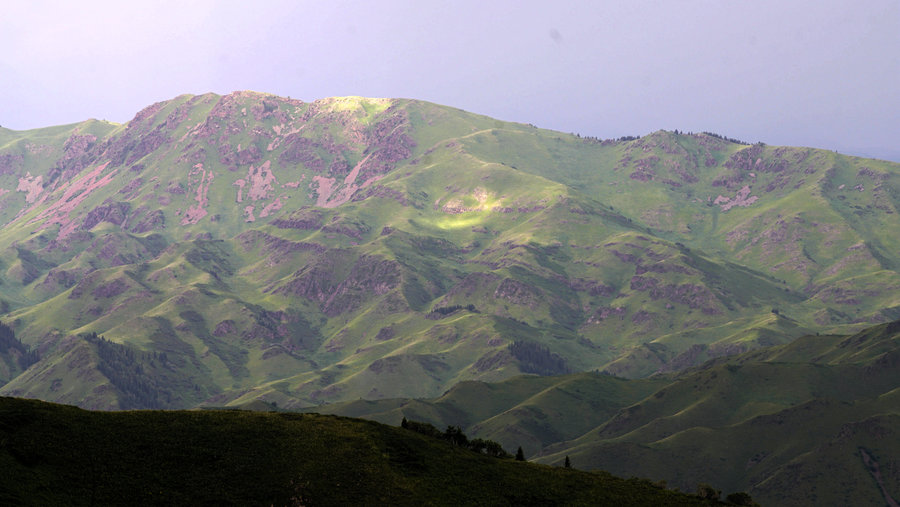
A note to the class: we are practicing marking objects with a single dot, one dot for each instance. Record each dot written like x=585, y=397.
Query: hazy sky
x=821, y=73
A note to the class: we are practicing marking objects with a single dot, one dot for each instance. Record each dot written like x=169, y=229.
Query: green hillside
x=61, y=455
x=527, y=411
x=813, y=422
x=247, y=247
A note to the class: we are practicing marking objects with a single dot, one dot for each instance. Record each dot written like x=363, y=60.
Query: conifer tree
x=520, y=454
x=568, y=463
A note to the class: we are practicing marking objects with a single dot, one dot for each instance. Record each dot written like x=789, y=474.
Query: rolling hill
x=222, y=249
x=813, y=422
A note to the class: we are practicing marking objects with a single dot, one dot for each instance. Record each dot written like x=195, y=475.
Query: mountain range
x=222, y=249
x=680, y=306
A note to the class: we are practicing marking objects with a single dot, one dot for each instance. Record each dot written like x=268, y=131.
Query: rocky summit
x=217, y=250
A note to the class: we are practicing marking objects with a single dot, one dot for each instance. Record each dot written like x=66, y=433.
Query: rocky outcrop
x=153, y=221
x=368, y=277
x=519, y=293
x=114, y=213
x=110, y=289
x=303, y=151
x=304, y=219
x=605, y=312
x=381, y=192
x=690, y=295
x=742, y=199
x=277, y=247
x=61, y=279
x=11, y=163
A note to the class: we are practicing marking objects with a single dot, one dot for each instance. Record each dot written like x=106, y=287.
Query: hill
x=61, y=455
x=223, y=249
x=812, y=422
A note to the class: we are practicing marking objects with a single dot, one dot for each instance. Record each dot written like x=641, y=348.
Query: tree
x=492, y=448
x=520, y=454
x=568, y=463
x=707, y=492
x=478, y=445
x=455, y=436
x=740, y=498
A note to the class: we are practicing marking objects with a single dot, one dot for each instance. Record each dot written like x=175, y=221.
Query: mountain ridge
x=303, y=252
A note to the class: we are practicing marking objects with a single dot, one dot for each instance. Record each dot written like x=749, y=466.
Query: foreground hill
x=814, y=422
x=252, y=247
x=61, y=455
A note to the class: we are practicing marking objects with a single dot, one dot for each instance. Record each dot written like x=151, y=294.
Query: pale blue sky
x=812, y=73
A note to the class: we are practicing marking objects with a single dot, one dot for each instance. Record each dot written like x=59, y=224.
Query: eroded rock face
x=11, y=163
x=225, y=328
x=392, y=144
x=606, y=312
x=385, y=333
x=277, y=248
x=304, y=219
x=382, y=192
x=690, y=295
x=152, y=221
x=314, y=282
x=59, y=279
x=319, y=282
x=114, y=213
x=518, y=293
x=110, y=289
x=301, y=150
x=743, y=199
x=368, y=277
x=471, y=284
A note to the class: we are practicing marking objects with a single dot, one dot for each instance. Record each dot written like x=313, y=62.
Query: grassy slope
x=789, y=424
x=529, y=411
x=56, y=454
x=801, y=411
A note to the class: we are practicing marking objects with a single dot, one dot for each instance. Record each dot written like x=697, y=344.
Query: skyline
x=819, y=74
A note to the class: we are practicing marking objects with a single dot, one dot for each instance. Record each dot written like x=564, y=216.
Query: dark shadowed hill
x=61, y=455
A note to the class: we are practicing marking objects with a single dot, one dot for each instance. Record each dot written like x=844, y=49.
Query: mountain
x=813, y=422
x=223, y=249
x=61, y=455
